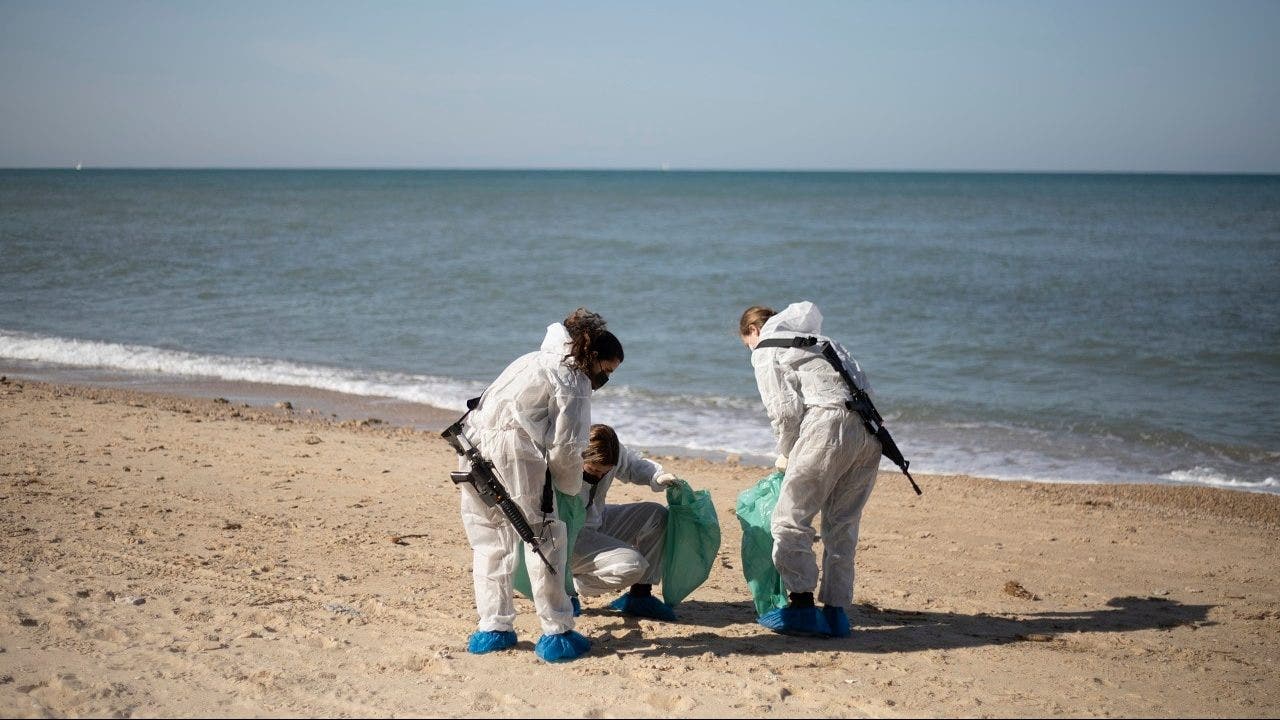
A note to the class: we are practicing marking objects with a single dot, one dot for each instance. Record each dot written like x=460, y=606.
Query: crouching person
x=620, y=546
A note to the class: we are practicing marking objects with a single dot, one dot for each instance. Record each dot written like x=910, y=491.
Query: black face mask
x=599, y=379
x=590, y=479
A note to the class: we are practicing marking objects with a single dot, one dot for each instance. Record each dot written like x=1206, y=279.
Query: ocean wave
x=142, y=359
x=707, y=424
x=1209, y=476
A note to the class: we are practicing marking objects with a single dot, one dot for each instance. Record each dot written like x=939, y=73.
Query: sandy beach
x=168, y=556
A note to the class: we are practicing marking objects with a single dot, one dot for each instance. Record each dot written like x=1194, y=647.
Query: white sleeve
x=779, y=389
x=570, y=430
x=637, y=470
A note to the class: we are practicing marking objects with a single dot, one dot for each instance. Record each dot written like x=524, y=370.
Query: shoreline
x=315, y=402
x=341, y=406
x=303, y=400
x=166, y=555
x=327, y=409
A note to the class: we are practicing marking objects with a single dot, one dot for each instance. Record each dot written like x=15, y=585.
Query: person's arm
x=781, y=396
x=641, y=471
x=570, y=430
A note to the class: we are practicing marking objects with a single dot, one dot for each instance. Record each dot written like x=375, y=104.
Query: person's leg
x=493, y=546
x=605, y=564
x=841, y=517
x=550, y=600
x=523, y=469
x=641, y=525
x=812, y=470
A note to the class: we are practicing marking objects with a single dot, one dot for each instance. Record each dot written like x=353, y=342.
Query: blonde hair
x=754, y=317
x=603, y=447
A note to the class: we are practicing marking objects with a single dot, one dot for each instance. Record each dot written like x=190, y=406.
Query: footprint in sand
x=488, y=700
x=665, y=703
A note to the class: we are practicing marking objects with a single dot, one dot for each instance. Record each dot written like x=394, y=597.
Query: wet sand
x=167, y=555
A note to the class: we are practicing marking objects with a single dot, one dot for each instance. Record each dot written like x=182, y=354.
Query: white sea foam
x=1209, y=476
x=645, y=419
x=441, y=392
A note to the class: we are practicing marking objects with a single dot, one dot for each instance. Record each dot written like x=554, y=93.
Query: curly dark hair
x=590, y=340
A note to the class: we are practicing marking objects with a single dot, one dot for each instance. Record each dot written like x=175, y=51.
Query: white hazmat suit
x=831, y=458
x=620, y=545
x=536, y=415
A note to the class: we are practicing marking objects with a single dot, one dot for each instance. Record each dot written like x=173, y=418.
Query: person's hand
x=666, y=479
x=781, y=463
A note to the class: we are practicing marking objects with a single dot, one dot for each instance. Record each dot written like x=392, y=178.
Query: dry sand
x=175, y=557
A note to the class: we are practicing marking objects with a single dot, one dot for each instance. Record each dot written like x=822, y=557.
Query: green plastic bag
x=693, y=541
x=755, y=508
x=572, y=512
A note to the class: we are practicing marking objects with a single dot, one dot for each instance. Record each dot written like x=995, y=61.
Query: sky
x=1075, y=85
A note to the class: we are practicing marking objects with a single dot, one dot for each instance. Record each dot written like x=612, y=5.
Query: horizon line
x=650, y=169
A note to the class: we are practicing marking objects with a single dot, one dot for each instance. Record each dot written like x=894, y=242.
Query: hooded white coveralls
x=620, y=545
x=537, y=413
x=831, y=458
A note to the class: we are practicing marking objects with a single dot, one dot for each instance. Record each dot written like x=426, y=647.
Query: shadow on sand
x=885, y=630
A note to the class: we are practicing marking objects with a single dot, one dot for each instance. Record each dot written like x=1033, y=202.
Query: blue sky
x=1078, y=85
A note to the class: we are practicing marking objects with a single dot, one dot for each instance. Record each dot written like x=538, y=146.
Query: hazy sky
x=1027, y=85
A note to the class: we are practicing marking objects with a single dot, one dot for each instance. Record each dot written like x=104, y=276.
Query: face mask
x=590, y=479
x=599, y=379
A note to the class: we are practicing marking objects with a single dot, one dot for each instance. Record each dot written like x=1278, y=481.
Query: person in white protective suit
x=830, y=461
x=620, y=546
x=532, y=424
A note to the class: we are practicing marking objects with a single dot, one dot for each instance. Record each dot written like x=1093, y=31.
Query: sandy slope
x=164, y=556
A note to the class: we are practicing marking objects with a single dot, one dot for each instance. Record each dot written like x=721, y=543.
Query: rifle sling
x=548, y=492
x=859, y=403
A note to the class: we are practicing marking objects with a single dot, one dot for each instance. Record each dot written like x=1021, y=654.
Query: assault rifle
x=485, y=480
x=860, y=402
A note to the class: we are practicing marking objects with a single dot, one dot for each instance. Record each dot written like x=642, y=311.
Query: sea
x=1034, y=327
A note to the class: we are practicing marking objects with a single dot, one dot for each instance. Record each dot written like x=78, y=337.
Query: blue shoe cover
x=643, y=606
x=563, y=647
x=837, y=620
x=483, y=641
x=805, y=622
x=577, y=606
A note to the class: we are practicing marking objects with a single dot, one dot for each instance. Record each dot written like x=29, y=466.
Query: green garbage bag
x=573, y=513
x=693, y=541
x=755, y=507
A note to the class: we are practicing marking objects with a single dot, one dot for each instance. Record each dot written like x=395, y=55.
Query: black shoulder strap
x=472, y=404
x=799, y=341
x=859, y=402
x=828, y=352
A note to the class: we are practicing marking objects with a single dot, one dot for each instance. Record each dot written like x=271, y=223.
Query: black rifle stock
x=490, y=489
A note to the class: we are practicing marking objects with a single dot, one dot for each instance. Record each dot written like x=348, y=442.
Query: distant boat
x=78, y=166
x=665, y=167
